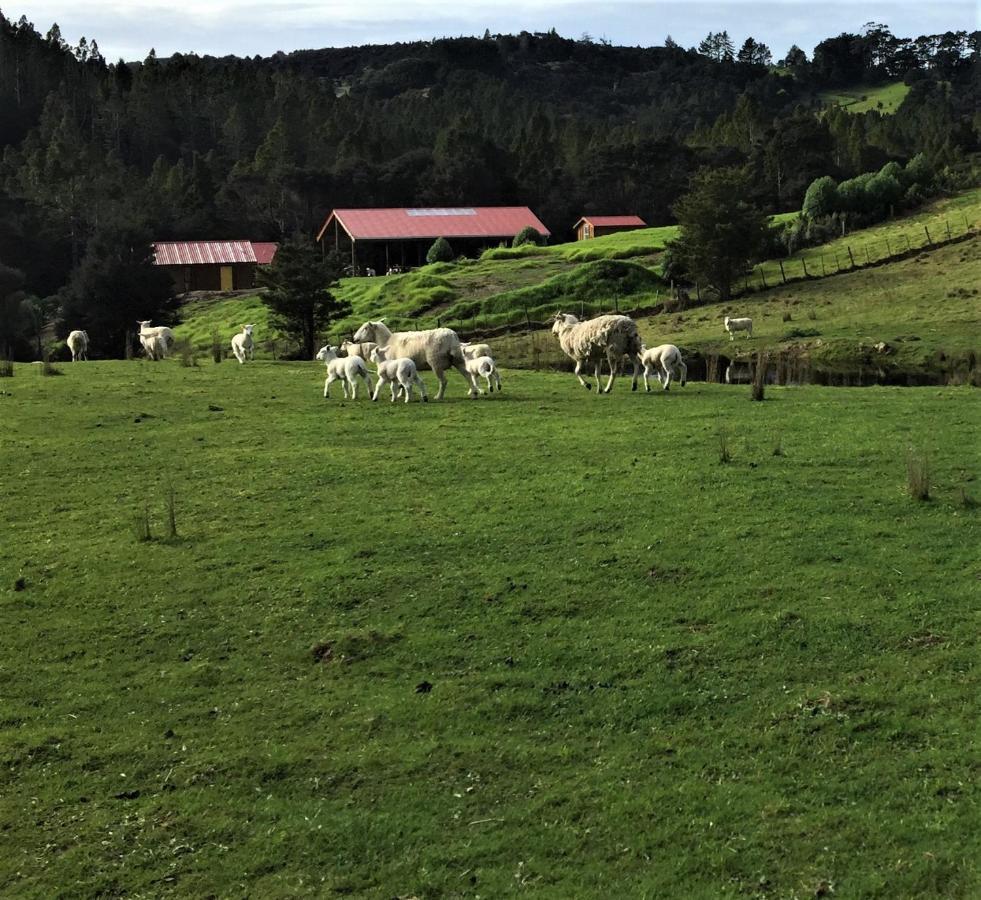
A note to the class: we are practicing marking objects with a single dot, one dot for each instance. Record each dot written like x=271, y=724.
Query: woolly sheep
x=78, y=343
x=349, y=348
x=345, y=370
x=437, y=349
x=734, y=325
x=605, y=337
x=397, y=371
x=243, y=345
x=472, y=351
x=484, y=367
x=664, y=358
x=148, y=334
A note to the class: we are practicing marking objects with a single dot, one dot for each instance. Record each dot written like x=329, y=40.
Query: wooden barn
x=596, y=226
x=213, y=265
x=382, y=239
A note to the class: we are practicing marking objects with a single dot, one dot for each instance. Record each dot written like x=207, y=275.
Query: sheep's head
x=377, y=355
x=366, y=332
x=562, y=321
x=327, y=353
x=247, y=329
x=144, y=325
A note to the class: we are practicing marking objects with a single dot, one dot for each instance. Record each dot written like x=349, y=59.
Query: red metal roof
x=264, y=252
x=203, y=253
x=434, y=222
x=604, y=221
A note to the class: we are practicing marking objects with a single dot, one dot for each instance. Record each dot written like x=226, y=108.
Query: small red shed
x=596, y=226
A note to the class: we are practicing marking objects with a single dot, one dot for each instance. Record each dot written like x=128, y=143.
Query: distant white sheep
x=401, y=371
x=155, y=340
x=437, y=349
x=243, y=345
x=78, y=343
x=485, y=367
x=734, y=325
x=472, y=351
x=349, y=348
x=346, y=370
x=607, y=338
x=666, y=359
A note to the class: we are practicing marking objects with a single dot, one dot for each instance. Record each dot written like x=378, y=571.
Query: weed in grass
x=787, y=317
x=48, y=368
x=216, y=347
x=6, y=368
x=918, y=475
x=171, y=500
x=965, y=500
x=778, y=446
x=725, y=455
x=188, y=357
x=812, y=315
x=141, y=523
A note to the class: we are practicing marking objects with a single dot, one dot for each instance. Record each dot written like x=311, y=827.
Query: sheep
x=664, y=358
x=397, y=371
x=605, y=337
x=78, y=343
x=472, y=351
x=734, y=325
x=243, y=345
x=146, y=335
x=437, y=349
x=349, y=348
x=345, y=370
x=485, y=367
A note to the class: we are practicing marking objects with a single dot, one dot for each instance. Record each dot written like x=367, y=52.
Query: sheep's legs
x=598, y=375
x=367, y=383
x=472, y=391
x=666, y=384
x=327, y=383
x=684, y=373
x=582, y=381
x=635, y=360
x=613, y=374
x=441, y=378
x=647, y=376
x=378, y=387
x=422, y=388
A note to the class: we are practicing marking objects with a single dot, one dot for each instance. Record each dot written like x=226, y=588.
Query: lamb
x=147, y=336
x=605, y=337
x=243, y=345
x=472, y=351
x=734, y=325
x=78, y=343
x=664, y=358
x=345, y=370
x=437, y=349
x=349, y=348
x=397, y=371
x=485, y=367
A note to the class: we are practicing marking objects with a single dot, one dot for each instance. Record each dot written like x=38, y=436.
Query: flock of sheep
x=398, y=356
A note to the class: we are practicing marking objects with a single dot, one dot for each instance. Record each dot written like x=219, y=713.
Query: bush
x=440, y=252
x=527, y=235
x=883, y=191
x=821, y=198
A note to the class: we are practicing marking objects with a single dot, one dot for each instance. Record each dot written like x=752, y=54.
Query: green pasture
x=542, y=643
x=886, y=98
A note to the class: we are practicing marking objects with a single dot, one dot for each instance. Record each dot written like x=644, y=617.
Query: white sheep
x=472, y=351
x=734, y=325
x=349, y=348
x=78, y=343
x=485, y=367
x=605, y=337
x=243, y=345
x=346, y=370
x=437, y=349
x=155, y=349
x=401, y=371
x=664, y=358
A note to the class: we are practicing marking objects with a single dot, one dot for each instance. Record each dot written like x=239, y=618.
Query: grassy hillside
x=886, y=98
x=549, y=645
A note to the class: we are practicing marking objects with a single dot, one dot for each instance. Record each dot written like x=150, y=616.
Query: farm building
x=213, y=265
x=383, y=238
x=596, y=226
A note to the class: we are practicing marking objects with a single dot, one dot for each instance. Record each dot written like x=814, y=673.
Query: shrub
x=883, y=191
x=189, y=359
x=821, y=198
x=216, y=349
x=527, y=235
x=441, y=251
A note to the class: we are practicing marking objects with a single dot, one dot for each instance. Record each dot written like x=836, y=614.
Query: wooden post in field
x=803, y=262
x=783, y=274
x=763, y=277
x=824, y=271
x=868, y=259
x=929, y=239
x=852, y=258
x=947, y=223
x=837, y=264
x=888, y=247
x=967, y=224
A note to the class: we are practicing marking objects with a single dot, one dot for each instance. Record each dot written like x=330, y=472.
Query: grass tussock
x=141, y=522
x=47, y=367
x=724, y=446
x=187, y=355
x=918, y=475
x=757, y=389
x=216, y=347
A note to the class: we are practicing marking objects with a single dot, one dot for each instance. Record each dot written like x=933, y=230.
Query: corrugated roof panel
x=603, y=221
x=432, y=223
x=203, y=253
x=264, y=252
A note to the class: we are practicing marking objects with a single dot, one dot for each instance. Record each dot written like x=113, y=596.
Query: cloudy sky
x=129, y=28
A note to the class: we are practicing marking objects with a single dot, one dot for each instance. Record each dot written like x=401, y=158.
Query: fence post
x=906, y=238
x=929, y=239
x=783, y=274
x=824, y=271
x=947, y=223
x=852, y=258
x=967, y=224
x=803, y=262
x=888, y=247
x=763, y=277
x=868, y=259
x=837, y=264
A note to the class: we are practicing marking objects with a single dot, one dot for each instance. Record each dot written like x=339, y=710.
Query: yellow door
x=226, y=278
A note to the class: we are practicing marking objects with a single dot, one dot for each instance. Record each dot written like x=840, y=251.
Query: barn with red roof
x=213, y=265
x=596, y=226
x=382, y=239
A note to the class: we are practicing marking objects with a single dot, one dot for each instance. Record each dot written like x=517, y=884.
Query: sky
x=129, y=28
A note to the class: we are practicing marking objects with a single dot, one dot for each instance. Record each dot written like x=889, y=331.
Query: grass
x=886, y=98
x=648, y=674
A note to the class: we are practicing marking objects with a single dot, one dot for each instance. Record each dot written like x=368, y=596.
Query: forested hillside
x=199, y=147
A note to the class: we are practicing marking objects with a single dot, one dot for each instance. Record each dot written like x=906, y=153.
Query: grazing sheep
x=664, y=358
x=243, y=345
x=346, y=370
x=485, y=367
x=437, y=349
x=349, y=348
x=148, y=334
x=472, y=351
x=734, y=325
x=397, y=371
x=78, y=343
x=605, y=337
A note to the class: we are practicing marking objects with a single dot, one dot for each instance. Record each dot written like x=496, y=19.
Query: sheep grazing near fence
x=349, y=348
x=734, y=325
x=437, y=349
x=346, y=370
x=78, y=343
x=666, y=359
x=472, y=351
x=243, y=345
x=402, y=372
x=485, y=367
x=156, y=341
x=607, y=338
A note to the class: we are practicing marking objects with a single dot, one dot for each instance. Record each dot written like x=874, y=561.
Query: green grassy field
x=543, y=643
x=886, y=98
